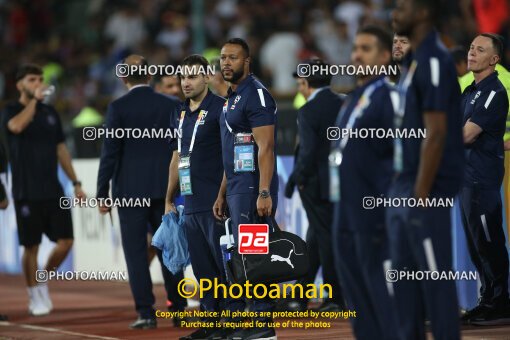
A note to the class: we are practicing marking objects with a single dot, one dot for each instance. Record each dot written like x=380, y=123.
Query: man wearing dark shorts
x=36, y=146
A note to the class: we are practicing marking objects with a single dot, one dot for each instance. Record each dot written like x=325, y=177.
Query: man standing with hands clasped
x=250, y=183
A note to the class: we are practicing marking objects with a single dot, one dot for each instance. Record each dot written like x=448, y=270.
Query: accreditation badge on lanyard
x=398, y=153
x=244, y=147
x=244, y=152
x=335, y=159
x=336, y=154
x=185, y=160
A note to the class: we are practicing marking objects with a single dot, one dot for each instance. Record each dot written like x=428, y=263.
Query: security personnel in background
x=250, y=183
x=138, y=168
x=485, y=106
x=36, y=147
x=197, y=169
x=360, y=241
x=311, y=176
x=420, y=237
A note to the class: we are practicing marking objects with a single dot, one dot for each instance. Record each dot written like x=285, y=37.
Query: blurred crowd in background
x=79, y=42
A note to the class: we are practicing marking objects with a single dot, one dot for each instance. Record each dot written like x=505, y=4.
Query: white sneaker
x=36, y=306
x=42, y=289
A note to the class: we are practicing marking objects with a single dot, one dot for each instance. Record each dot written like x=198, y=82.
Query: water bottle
x=48, y=91
x=226, y=244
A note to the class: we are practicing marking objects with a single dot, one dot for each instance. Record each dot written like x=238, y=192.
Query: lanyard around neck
x=361, y=105
x=197, y=123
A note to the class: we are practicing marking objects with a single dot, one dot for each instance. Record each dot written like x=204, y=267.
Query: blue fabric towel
x=170, y=238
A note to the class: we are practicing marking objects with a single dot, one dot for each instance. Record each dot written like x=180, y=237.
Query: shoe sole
x=38, y=314
x=496, y=322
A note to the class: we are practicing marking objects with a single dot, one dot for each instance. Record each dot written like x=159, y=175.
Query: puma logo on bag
x=275, y=257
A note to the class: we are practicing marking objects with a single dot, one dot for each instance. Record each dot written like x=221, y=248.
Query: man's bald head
x=137, y=77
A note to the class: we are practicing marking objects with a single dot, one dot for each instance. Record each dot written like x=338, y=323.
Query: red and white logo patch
x=253, y=239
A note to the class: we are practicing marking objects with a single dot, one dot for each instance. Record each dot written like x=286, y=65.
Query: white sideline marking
x=54, y=330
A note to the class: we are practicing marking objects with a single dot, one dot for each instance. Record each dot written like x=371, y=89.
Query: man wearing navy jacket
x=311, y=175
x=485, y=106
x=138, y=168
x=430, y=167
x=197, y=169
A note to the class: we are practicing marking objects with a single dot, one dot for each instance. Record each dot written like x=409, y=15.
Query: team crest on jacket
x=202, y=118
x=476, y=96
x=236, y=100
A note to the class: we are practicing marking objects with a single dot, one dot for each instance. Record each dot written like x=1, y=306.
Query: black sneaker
x=254, y=334
x=476, y=312
x=223, y=333
x=494, y=316
x=201, y=333
x=144, y=324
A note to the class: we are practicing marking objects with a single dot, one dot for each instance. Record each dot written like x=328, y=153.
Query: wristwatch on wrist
x=75, y=183
x=264, y=194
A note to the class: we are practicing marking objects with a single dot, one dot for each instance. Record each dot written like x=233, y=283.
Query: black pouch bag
x=286, y=260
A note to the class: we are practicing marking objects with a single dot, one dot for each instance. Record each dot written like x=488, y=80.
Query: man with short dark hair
x=250, y=181
x=400, y=47
x=485, y=106
x=399, y=50
x=427, y=171
x=169, y=85
x=138, y=168
x=311, y=175
x=360, y=240
x=36, y=147
x=197, y=170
